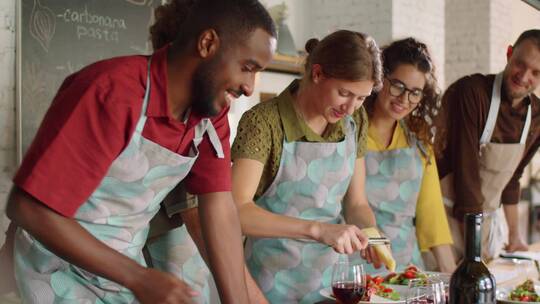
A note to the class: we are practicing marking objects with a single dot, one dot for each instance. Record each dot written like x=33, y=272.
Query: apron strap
x=413, y=141
x=493, y=109
x=350, y=125
x=142, y=117
x=214, y=139
x=526, y=127
x=206, y=126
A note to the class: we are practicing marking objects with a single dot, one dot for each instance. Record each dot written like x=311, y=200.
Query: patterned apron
x=175, y=252
x=310, y=184
x=498, y=162
x=393, y=181
x=117, y=213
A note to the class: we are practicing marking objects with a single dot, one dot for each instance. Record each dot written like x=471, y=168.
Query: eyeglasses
x=398, y=88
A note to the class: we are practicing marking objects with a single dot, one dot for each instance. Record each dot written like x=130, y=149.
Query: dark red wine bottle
x=472, y=282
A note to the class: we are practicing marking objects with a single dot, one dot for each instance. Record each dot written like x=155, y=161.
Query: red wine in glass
x=348, y=292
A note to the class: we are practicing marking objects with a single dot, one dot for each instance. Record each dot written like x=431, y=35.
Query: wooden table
x=522, y=269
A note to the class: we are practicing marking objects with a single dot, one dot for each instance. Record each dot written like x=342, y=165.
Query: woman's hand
x=370, y=255
x=344, y=239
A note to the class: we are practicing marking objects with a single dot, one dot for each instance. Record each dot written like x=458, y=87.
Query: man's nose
x=248, y=86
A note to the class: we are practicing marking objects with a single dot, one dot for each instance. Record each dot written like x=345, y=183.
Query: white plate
x=327, y=293
x=504, y=292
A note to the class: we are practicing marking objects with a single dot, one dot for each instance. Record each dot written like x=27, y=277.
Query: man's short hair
x=233, y=20
x=532, y=35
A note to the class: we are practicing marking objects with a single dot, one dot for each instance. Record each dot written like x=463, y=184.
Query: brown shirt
x=465, y=106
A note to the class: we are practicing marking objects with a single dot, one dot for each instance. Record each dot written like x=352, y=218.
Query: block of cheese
x=382, y=250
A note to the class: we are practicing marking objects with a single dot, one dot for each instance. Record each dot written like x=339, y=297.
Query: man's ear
x=509, y=51
x=208, y=43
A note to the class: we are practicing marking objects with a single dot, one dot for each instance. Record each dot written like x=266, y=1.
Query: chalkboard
x=58, y=37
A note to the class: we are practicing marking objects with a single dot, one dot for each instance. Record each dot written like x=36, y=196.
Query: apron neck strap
x=527, y=126
x=349, y=125
x=494, y=111
x=494, y=105
x=142, y=117
x=413, y=140
x=205, y=126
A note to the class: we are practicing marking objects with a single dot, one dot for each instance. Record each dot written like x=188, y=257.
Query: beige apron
x=498, y=162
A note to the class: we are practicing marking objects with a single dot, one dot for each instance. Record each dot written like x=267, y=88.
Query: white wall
x=523, y=18
x=299, y=19
x=500, y=33
x=467, y=38
x=424, y=20
x=372, y=17
x=7, y=105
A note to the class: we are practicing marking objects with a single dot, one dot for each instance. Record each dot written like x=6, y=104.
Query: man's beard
x=513, y=95
x=203, y=88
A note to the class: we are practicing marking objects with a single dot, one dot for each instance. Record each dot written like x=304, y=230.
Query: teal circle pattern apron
x=310, y=184
x=393, y=181
x=116, y=213
x=175, y=252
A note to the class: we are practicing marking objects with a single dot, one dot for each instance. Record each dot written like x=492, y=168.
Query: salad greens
x=375, y=286
x=525, y=292
x=403, y=278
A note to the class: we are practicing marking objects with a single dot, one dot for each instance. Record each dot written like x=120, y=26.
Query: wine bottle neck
x=473, y=239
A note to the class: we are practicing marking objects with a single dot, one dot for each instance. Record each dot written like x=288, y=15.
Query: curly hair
x=421, y=120
x=345, y=55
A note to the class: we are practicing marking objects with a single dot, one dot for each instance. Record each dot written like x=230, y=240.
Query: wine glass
x=348, y=282
x=426, y=291
x=442, y=281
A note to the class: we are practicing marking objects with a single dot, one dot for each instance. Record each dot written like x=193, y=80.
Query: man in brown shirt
x=469, y=166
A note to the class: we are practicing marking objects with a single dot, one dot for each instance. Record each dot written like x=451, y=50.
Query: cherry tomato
x=378, y=280
x=412, y=268
x=525, y=298
x=409, y=274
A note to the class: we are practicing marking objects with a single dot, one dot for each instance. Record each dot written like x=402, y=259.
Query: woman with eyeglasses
x=402, y=183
